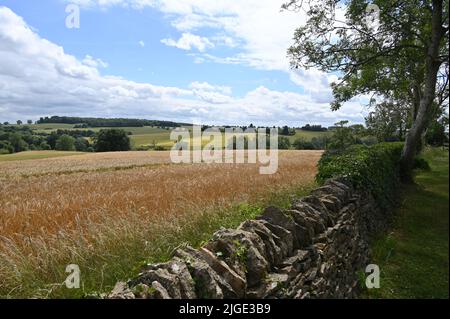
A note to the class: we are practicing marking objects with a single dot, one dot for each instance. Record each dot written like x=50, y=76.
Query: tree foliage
x=284, y=143
x=81, y=144
x=65, y=143
x=389, y=121
x=17, y=142
x=374, y=168
x=112, y=140
x=402, y=57
x=437, y=134
x=106, y=122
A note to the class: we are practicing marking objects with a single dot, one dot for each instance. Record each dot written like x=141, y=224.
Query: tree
x=51, y=140
x=102, y=122
x=284, y=143
x=17, y=143
x=342, y=136
x=44, y=146
x=314, y=128
x=302, y=144
x=19, y=122
x=403, y=58
x=437, y=132
x=389, y=121
x=65, y=143
x=6, y=147
x=358, y=130
x=81, y=144
x=320, y=143
x=285, y=130
x=113, y=140
x=30, y=122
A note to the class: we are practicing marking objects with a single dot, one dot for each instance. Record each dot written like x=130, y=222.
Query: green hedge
x=373, y=168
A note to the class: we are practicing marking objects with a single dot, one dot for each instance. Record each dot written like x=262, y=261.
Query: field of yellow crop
x=84, y=162
x=108, y=212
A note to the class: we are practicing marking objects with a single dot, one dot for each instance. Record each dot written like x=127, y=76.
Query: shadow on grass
x=413, y=257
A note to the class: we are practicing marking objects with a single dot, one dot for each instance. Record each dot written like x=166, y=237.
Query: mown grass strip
x=413, y=257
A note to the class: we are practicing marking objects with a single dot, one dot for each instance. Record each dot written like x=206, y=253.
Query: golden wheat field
x=81, y=163
x=94, y=208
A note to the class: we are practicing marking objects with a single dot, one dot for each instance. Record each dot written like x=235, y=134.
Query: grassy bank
x=413, y=257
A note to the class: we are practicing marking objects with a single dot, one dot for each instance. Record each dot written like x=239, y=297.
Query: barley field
x=29, y=155
x=79, y=162
x=111, y=212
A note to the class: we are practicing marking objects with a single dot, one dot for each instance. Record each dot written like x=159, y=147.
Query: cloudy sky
x=219, y=62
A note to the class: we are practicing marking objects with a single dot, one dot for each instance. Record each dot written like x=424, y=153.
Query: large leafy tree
x=17, y=142
x=399, y=53
x=112, y=140
x=389, y=121
x=65, y=143
x=437, y=132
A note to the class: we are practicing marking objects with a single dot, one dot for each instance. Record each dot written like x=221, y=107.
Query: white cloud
x=189, y=41
x=142, y=44
x=224, y=40
x=37, y=78
x=215, y=94
x=258, y=28
x=205, y=86
x=264, y=30
x=95, y=63
x=315, y=83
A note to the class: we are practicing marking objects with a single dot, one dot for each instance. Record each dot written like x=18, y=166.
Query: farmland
x=140, y=135
x=154, y=136
x=35, y=155
x=67, y=162
x=111, y=212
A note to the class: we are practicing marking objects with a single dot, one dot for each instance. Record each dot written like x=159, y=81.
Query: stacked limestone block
x=316, y=249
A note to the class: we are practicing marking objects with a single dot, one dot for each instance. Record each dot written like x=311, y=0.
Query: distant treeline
x=75, y=133
x=314, y=128
x=83, y=122
x=14, y=139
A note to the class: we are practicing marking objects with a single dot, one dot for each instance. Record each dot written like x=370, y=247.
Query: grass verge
x=413, y=257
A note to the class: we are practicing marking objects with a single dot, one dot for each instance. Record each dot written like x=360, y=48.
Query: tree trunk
x=416, y=102
x=432, y=65
x=400, y=133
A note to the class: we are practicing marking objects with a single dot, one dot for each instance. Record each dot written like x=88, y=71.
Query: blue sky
x=219, y=62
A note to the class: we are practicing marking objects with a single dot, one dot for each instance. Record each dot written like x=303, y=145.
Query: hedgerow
x=373, y=168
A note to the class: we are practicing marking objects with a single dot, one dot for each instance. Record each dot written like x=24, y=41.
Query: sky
x=218, y=62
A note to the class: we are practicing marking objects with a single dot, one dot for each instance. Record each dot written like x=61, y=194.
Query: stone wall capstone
x=315, y=249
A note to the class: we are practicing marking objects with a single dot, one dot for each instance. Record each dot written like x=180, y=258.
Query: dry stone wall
x=315, y=249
